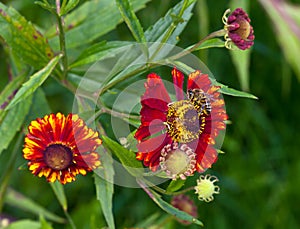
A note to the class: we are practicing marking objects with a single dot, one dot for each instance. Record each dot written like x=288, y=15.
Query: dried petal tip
x=239, y=31
x=206, y=188
x=184, y=203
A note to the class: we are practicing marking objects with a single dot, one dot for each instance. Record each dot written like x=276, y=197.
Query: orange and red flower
x=179, y=136
x=60, y=147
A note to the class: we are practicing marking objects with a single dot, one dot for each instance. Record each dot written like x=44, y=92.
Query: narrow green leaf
x=20, y=201
x=71, y=4
x=21, y=224
x=39, y=107
x=131, y=20
x=168, y=207
x=99, y=52
x=157, y=32
x=11, y=122
x=175, y=185
x=95, y=18
x=25, y=41
x=10, y=89
x=127, y=157
x=105, y=188
x=233, y=92
x=59, y=192
x=34, y=82
x=44, y=223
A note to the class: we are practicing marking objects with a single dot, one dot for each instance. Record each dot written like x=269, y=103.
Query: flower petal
x=156, y=95
x=197, y=79
x=178, y=79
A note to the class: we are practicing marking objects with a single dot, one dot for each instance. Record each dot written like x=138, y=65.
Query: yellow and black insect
x=200, y=100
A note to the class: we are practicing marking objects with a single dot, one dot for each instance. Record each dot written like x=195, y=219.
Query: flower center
x=184, y=123
x=58, y=157
x=244, y=30
x=178, y=162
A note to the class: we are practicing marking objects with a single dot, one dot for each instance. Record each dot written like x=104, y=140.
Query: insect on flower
x=200, y=100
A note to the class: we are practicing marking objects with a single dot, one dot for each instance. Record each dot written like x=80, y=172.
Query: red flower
x=60, y=147
x=178, y=136
x=239, y=30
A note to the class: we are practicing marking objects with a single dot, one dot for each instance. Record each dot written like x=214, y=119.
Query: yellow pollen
x=184, y=123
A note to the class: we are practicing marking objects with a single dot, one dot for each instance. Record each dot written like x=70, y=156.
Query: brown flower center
x=244, y=30
x=58, y=156
x=184, y=123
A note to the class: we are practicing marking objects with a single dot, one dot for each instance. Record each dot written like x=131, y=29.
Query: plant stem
x=217, y=33
x=4, y=180
x=70, y=219
x=62, y=41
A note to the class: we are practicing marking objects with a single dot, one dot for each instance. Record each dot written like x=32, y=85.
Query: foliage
x=54, y=59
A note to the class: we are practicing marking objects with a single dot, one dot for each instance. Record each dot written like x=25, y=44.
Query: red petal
x=178, y=79
x=145, y=131
x=199, y=80
x=156, y=95
x=206, y=154
x=149, y=150
x=148, y=115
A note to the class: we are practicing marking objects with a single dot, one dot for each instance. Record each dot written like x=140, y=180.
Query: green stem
x=217, y=33
x=138, y=70
x=165, y=192
x=4, y=180
x=72, y=224
x=62, y=41
x=170, y=30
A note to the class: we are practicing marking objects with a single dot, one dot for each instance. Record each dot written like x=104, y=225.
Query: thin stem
x=170, y=30
x=10, y=168
x=165, y=192
x=217, y=33
x=72, y=224
x=138, y=70
x=62, y=41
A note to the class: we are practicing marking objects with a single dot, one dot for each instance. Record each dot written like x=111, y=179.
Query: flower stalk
x=62, y=41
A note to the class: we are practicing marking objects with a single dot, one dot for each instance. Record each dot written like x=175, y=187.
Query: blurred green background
x=259, y=172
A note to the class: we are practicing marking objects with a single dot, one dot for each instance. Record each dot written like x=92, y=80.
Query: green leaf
x=59, y=192
x=99, y=52
x=105, y=188
x=44, y=223
x=34, y=82
x=11, y=88
x=25, y=41
x=233, y=92
x=175, y=185
x=127, y=157
x=131, y=20
x=158, y=31
x=168, y=207
x=39, y=107
x=287, y=37
x=20, y=201
x=95, y=18
x=21, y=224
x=71, y=4
x=211, y=43
x=11, y=122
